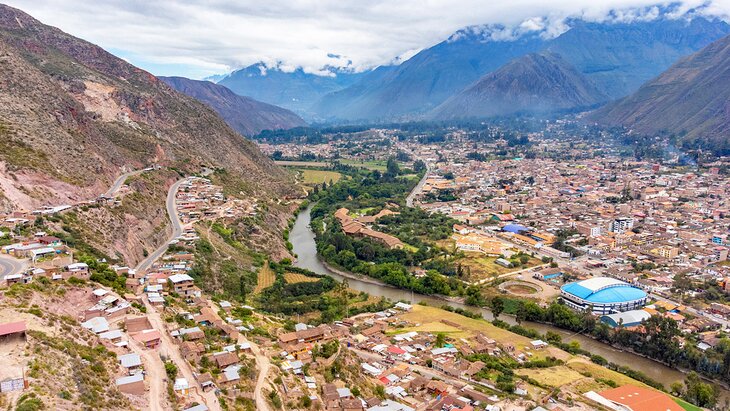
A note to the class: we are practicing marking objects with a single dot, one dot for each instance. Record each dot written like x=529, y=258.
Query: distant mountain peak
x=243, y=114
x=535, y=83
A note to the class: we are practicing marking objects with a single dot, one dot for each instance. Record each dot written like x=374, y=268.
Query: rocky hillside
x=243, y=114
x=691, y=100
x=536, y=83
x=72, y=116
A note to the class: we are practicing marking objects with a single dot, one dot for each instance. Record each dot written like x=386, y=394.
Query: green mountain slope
x=535, y=83
x=691, y=99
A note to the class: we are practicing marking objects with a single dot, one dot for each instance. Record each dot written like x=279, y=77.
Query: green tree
x=497, y=306
x=440, y=339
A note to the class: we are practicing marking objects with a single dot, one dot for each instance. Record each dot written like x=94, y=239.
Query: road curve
x=176, y=227
x=10, y=265
x=120, y=181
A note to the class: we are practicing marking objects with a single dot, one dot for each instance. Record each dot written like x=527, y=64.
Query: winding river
x=302, y=238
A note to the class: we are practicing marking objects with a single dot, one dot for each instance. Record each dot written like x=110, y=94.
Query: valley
x=361, y=207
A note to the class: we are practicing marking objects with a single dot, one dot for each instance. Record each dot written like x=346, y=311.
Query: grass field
x=370, y=165
x=687, y=406
x=483, y=267
x=553, y=376
x=266, y=279
x=429, y=320
x=293, y=278
x=284, y=163
x=584, y=366
x=311, y=177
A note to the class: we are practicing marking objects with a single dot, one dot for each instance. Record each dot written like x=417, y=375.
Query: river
x=302, y=238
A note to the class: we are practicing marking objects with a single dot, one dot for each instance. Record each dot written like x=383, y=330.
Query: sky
x=199, y=38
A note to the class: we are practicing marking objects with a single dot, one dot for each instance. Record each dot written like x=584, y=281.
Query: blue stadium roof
x=515, y=228
x=603, y=290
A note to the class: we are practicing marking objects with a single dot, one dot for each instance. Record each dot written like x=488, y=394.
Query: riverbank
x=373, y=281
x=305, y=248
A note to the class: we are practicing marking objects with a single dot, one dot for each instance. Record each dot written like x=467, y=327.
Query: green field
x=370, y=164
x=311, y=177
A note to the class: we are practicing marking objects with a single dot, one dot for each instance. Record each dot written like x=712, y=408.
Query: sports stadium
x=604, y=295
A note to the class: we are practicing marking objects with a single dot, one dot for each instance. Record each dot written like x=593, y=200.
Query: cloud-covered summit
x=198, y=38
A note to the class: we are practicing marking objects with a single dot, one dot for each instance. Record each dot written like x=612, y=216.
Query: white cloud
x=202, y=37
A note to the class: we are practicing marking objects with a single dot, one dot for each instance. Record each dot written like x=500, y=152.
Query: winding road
x=10, y=265
x=177, y=227
x=120, y=181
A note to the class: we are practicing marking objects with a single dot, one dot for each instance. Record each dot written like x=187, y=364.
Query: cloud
x=197, y=38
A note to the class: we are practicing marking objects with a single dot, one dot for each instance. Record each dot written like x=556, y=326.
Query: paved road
x=417, y=189
x=176, y=228
x=10, y=265
x=120, y=181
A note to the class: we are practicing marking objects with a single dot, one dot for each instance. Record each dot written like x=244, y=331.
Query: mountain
x=296, y=90
x=620, y=57
x=426, y=79
x=617, y=57
x=73, y=118
x=535, y=83
x=691, y=99
x=215, y=78
x=243, y=114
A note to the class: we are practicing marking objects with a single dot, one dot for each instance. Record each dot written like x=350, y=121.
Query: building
x=182, y=284
x=621, y=225
x=633, y=398
x=133, y=384
x=603, y=296
x=627, y=318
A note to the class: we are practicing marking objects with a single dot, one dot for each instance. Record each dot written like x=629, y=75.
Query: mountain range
x=690, y=100
x=295, y=90
x=616, y=57
x=243, y=114
x=535, y=83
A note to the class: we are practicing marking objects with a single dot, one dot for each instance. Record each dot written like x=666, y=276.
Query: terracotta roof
x=144, y=337
x=12, y=328
x=641, y=399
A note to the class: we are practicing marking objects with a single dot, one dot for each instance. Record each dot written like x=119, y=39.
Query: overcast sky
x=197, y=38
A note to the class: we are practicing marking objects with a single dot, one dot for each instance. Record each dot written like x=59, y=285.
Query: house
x=309, y=335
x=12, y=330
x=182, y=284
x=135, y=325
x=131, y=362
x=133, y=384
x=148, y=338
x=225, y=359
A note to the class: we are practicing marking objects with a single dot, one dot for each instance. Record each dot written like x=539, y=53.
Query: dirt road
x=155, y=375
x=170, y=349
x=263, y=364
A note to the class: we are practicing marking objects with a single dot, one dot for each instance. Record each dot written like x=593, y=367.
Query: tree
x=440, y=339
x=419, y=166
x=497, y=306
x=700, y=393
x=392, y=168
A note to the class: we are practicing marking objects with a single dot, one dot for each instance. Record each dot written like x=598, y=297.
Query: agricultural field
x=266, y=279
x=379, y=165
x=311, y=177
x=285, y=163
x=293, y=278
x=430, y=318
x=553, y=376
